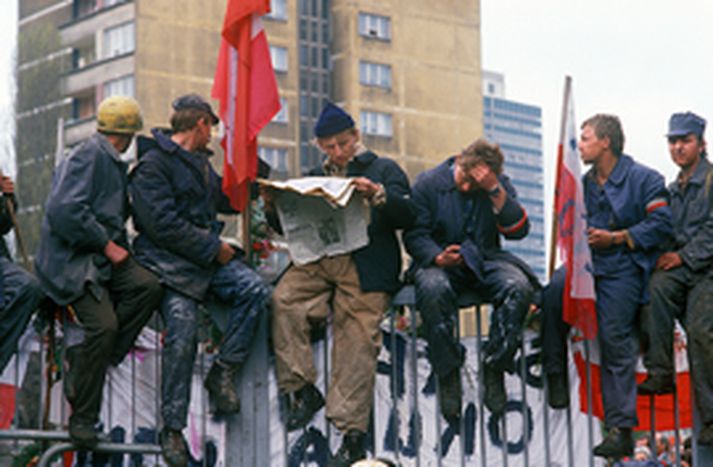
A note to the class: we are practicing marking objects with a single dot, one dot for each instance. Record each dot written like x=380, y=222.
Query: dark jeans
x=111, y=324
x=617, y=305
x=505, y=286
x=684, y=295
x=234, y=285
x=20, y=295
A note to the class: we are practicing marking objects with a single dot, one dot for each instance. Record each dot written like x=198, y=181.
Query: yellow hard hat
x=119, y=114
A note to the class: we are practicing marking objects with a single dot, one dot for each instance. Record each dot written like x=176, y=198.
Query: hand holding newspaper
x=320, y=216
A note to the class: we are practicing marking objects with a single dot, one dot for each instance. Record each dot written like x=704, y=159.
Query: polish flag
x=245, y=85
x=579, y=299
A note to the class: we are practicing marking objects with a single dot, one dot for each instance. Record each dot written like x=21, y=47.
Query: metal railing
x=407, y=426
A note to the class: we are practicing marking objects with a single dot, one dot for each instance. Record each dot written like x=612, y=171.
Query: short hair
x=482, y=151
x=186, y=119
x=607, y=126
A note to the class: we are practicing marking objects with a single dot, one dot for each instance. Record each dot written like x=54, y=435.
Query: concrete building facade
x=517, y=128
x=408, y=71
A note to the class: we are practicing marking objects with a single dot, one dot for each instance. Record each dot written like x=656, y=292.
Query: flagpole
x=558, y=171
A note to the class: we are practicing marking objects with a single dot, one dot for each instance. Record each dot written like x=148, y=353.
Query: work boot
x=302, y=405
x=83, y=434
x=173, y=447
x=450, y=393
x=656, y=384
x=222, y=392
x=558, y=391
x=351, y=450
x=616, y=445
x=495, y=397
x=705, y=437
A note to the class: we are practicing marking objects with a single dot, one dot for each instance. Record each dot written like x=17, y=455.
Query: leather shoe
x=351, y=450
x=222, y=391
x=495, y=397
x=617, y=444
x=302, y=405
x=656, y=384
x=173, y=448
x=450, y=394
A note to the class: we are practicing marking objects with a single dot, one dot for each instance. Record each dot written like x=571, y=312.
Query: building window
x=281, y=116
x=279, y=58
x=376, y=123
x=119, y=40
x=375, y=26
x=375, y=74
x=278, y=10
x=83, y=8
x=277, y=158
x=123, y=86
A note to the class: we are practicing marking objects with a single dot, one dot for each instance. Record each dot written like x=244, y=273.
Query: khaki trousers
x=304, y=295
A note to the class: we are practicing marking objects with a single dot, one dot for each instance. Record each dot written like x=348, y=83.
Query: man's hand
x=225, y=253
x=115, y=253
x=484, y=177
x=449, y=257
x=668, y=261
x=7, y=186
x=365, y=186
x=599, y=238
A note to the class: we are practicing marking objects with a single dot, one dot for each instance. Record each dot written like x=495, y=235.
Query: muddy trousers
x=305, y=295
x=19, y=295
x=687, y=296
x=111, y=324
x=236, y=287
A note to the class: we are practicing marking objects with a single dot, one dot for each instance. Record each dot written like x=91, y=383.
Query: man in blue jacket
x=84, y=260
x=628, y=218
x=20, y=292
x=682, y=284
x=357, y=285
x=176, y=196
x=463, y=207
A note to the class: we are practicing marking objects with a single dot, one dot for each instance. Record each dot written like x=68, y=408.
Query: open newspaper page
x=320, y=216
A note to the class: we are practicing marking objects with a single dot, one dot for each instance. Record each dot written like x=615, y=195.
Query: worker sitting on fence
x=681, y=286
x=176, y=196
x=463, y=207
x=356, y=285
x=19, y=290
x=84, y=260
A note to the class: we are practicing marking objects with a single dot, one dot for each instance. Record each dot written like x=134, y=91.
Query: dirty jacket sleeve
x=512, y=221
x=697, y=253
x=69, y=211
x=418, y=239
x=155, y=209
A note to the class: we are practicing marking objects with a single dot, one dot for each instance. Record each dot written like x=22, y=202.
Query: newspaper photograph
x=320, y=216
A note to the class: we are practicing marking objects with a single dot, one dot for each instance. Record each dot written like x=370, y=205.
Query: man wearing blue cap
x=356, y=286
x=176, y=197
x=681, y=287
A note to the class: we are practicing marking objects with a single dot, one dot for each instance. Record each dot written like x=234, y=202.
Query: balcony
x=97, y=73
x=87, y=25
x=78, y=130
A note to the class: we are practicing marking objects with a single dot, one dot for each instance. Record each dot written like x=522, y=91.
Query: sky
x=638, y=59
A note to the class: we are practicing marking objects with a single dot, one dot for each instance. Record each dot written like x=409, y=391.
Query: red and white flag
x=245, y=85
x=579, y=308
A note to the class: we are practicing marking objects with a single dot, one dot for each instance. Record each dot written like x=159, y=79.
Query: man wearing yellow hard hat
x=84, y=262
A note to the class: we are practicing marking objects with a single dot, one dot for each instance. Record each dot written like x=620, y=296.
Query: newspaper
x=320, y=216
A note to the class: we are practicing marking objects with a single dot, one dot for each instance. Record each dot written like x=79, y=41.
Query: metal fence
x=406, y=424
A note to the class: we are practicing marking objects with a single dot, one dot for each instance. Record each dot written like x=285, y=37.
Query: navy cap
x=331, y=121
x=684, y=123
x=194, y=101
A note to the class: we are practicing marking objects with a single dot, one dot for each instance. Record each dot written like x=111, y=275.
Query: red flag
x=245, y=85
x=579, y=299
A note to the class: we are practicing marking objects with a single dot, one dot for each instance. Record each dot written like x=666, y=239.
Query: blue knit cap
x=331, y=121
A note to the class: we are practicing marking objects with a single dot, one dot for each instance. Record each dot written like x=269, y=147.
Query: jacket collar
x=106, y=146
x=698, y=177
x=621, y=169
x=443, y=175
